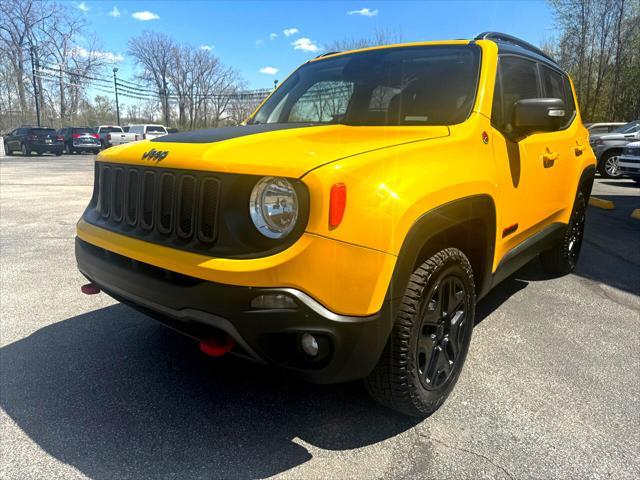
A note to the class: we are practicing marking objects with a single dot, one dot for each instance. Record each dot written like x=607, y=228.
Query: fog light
x=273, y=301
x=309, y=344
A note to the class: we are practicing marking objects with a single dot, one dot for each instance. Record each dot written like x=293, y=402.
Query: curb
x=636, y=214
x=600, y=203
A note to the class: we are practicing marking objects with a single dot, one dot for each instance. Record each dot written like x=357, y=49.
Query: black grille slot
x=208, y=210
x=118, y=195
x=167, y=201
x=131, y=202
x=187, y=206
x=148, y=200
x=104, y=196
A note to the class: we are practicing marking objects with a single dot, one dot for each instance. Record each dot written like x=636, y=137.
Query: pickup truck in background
x=111, y=135
x=148, y=131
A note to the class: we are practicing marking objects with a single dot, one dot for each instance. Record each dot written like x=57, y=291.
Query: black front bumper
x=351, y=346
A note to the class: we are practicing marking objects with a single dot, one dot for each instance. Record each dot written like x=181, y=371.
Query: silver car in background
x=629, y=163
x=608, y=147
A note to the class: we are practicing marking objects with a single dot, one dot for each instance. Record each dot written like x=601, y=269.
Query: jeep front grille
x=162, y=205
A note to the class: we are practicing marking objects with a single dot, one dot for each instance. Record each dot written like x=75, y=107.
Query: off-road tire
x=563, y=257
x=397, y=381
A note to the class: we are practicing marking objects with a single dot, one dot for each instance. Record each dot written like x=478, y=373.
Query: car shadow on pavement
x=610, y=253
x=118, y=396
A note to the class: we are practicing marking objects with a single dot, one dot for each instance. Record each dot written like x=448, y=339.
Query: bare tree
x=599, y=45
x=18, y=21
x=154, y=52
x=380, y=36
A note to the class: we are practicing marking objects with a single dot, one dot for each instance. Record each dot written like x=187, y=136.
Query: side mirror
x=533, y=115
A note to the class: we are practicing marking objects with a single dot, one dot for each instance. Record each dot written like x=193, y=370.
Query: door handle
x=549, y=158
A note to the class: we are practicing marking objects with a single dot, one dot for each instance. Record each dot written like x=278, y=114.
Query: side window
x=557, y=85
x=323, y=102
x=518, y=79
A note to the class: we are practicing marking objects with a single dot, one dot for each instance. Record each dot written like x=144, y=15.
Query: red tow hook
x=217, y=347
x=90, y=289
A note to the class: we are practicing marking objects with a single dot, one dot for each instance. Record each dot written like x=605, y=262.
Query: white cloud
x=208, y=48
x=259, y=42
x=365, y=12
x=306, y=45
x=273, y=36
x=290, y=31
x=268, y=70
x=83, y=6
x=145, y=16
x=115, y=12
x=108, y=57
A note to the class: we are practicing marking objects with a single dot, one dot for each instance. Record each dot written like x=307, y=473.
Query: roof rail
x=503, y=37
x=327, y=53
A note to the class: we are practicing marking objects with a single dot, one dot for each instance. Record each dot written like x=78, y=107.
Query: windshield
x=110, y=130
x=155, y=129
x=83, y=130
x=425, y=85
x=630, y=127
x=42, y=130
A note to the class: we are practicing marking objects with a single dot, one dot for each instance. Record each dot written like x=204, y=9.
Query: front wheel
x=609, y=166
x=7, y=150
x=430, y=338
x=563, y=257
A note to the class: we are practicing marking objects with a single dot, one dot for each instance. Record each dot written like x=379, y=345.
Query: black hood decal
x=226, y=133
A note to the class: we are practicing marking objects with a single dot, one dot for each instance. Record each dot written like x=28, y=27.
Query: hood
x=273, y=149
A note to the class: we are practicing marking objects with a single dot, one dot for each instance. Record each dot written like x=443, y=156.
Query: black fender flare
x=585, y=184
x=471, y=211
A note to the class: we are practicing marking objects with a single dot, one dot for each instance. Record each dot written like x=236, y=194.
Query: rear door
x=565, y=142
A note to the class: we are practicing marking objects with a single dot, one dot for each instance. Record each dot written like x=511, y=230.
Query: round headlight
x=274, y=207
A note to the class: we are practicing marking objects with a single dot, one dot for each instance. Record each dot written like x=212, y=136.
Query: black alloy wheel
x=430, y=339
x=442, y=333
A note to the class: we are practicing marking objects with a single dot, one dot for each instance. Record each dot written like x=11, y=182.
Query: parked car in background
x=602, y=128
x=33, y=139
x=173, y=130
x=80, y=139
x=629, y=163
x=111, y=135
x=609, y=147
x=148, y=131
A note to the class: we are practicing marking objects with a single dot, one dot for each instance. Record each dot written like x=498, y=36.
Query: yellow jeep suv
x=349, y=228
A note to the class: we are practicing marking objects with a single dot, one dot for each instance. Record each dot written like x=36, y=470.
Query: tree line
x=598, y=44
x=596, y=41
x=46, y=51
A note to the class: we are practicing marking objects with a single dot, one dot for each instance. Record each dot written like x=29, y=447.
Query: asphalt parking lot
x=90, y=388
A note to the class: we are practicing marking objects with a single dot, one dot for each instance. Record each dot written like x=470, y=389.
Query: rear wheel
x=430, y=339
x=609, y=167
x=25, y=151
x=563, y=258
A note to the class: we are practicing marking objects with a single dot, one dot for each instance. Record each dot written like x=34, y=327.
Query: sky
x=267, y=40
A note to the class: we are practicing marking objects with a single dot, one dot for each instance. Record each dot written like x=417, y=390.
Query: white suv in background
x=148, y=131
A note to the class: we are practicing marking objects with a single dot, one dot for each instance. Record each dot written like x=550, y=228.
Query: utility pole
x=35, y=85
x=166, y=109
x=115, y=86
